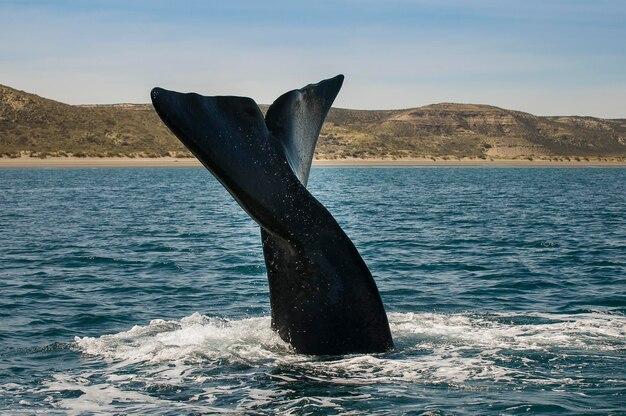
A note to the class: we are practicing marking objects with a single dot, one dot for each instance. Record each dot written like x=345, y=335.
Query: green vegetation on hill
x=467, y=130
x=40, y=127
x=32, y=124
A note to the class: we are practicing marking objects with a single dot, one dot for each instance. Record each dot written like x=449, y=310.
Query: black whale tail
x=324, y=299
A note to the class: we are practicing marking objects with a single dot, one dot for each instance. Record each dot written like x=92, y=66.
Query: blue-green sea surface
x=143, y=291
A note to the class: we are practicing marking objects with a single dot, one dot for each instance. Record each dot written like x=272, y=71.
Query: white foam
x=450, y=348
x=221, y=355
x=498, y=331
x=192, y=339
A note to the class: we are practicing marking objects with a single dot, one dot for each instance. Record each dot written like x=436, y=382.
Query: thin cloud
x=552, y=57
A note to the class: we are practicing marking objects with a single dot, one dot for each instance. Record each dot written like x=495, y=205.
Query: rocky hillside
x=33, y=125
x=468, y=130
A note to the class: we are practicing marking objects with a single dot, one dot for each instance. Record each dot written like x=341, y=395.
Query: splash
x=434, y=348
x=195, y=338
x=207, y=364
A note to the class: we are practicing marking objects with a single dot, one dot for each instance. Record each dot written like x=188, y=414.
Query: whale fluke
x=323, y=297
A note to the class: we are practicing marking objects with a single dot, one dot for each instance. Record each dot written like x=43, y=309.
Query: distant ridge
x=40, y=127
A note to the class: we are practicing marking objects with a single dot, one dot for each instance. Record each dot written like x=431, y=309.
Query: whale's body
x=323, y=297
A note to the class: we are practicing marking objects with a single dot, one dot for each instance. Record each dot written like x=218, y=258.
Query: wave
x=194, y=338
x=451, y=348
x=206, y=364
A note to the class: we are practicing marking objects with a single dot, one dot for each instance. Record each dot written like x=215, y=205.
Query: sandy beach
x=95, y=162
x=112, y=162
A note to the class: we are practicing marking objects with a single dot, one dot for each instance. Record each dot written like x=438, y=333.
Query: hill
x=33, y=124
x=468, y=130
x=37, y=126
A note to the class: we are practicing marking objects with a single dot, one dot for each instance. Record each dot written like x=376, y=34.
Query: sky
x=550, y=57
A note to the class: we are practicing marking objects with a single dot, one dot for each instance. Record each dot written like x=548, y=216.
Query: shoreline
x=127, y=162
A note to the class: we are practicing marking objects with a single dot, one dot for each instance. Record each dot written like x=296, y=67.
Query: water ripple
x=505, y=290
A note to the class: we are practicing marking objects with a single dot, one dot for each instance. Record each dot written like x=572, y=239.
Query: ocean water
x=143, y=291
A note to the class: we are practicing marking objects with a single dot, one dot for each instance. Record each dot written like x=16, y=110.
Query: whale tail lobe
x=296, y=119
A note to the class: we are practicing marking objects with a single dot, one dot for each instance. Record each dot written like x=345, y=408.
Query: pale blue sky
x=544, y=57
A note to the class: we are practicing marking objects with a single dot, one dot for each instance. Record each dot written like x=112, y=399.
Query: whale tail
x=323, y=297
